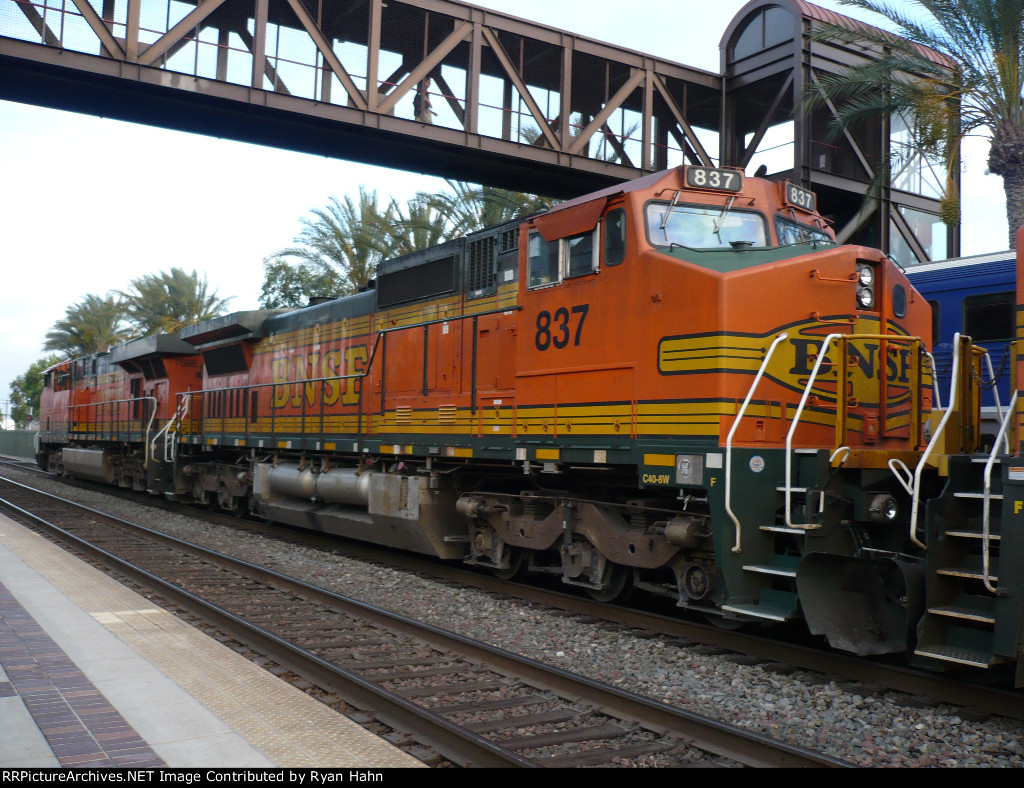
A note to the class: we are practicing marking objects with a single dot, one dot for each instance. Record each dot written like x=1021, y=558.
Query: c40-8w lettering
x=556, y=330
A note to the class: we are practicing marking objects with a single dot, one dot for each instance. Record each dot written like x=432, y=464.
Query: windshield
x=791, y=232
x=704, y=227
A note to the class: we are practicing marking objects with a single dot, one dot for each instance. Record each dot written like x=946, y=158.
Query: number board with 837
x=799, y=197
x=713, y=178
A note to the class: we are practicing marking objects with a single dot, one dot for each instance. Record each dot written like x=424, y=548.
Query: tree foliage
x=468, y=207
x=169, y=301
x=292, y=286
x=416, y=226
x=90, y=326
x=978, y=90
x=335, y=254
x=26, y=390
x=347, y=240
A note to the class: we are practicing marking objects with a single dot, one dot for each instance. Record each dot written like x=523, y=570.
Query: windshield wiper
x=668, y=213
x=721, y=219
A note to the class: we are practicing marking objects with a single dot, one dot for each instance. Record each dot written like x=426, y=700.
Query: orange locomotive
x=118, y=400
x=681, y=384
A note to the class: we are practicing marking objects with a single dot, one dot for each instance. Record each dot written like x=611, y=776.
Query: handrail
x=995, y=396
x=179, y=414
x=796, y=421
x=845, y=451
x=368, y=364
x=170, y=446
x=841, y=406
x=986, y=520
x=935, y=381
x=915, y=494
x=899, y=468
x=149, y=424
x=736, y=422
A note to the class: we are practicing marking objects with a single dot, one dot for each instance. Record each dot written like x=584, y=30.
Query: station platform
x=93, y=675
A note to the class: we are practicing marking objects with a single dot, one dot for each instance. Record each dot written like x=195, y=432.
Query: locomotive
x=680, y=384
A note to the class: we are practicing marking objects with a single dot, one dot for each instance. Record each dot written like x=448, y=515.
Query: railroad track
x=925, y=687
x=472, y=703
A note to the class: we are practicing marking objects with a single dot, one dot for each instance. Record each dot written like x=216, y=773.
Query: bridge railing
x=437, y=64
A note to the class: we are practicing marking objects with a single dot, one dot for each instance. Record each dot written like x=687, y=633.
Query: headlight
x=866, y=275
x=865, y=298
x=883, y=508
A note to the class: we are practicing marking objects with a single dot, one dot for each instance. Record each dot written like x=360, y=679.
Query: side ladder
x=969, y=620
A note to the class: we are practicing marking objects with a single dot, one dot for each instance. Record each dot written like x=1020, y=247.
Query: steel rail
x=743, y=746
x=938, y=688
x=844, y=667
x=462, y=746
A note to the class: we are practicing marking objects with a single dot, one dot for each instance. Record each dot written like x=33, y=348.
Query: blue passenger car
x=975, y=296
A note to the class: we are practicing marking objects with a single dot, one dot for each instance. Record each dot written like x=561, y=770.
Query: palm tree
x=346, y=241
x=978, y=91
x=90, y=326
x=345, y=238
x=169, y=301
x=418, y=226
x=469, y=207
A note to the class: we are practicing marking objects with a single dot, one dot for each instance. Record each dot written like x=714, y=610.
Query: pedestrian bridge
x=338, y=78
x=513, y=104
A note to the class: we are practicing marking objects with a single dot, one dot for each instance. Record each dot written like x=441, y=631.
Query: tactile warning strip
x=287, y=726
x=78, y=722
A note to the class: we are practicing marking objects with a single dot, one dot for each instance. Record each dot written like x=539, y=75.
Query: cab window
x=543, y=259
x=791, y=232
x=580, y=255
x=552, y=261
x=615, y=237
x=704, y=226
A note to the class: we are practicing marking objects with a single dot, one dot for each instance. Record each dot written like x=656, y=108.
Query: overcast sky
x=86, y=204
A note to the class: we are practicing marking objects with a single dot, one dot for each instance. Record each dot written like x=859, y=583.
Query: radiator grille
x=480, y=259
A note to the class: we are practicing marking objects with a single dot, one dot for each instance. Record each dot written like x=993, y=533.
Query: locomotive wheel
x=516, y=559
x=619, y=587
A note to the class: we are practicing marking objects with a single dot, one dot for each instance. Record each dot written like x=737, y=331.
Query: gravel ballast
x=853, y=722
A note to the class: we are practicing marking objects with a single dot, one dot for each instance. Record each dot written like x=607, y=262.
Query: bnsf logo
x=863, y=360
x=292, y=375
x=791, y=366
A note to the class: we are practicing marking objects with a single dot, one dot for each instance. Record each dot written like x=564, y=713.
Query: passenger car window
x=990, y=316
